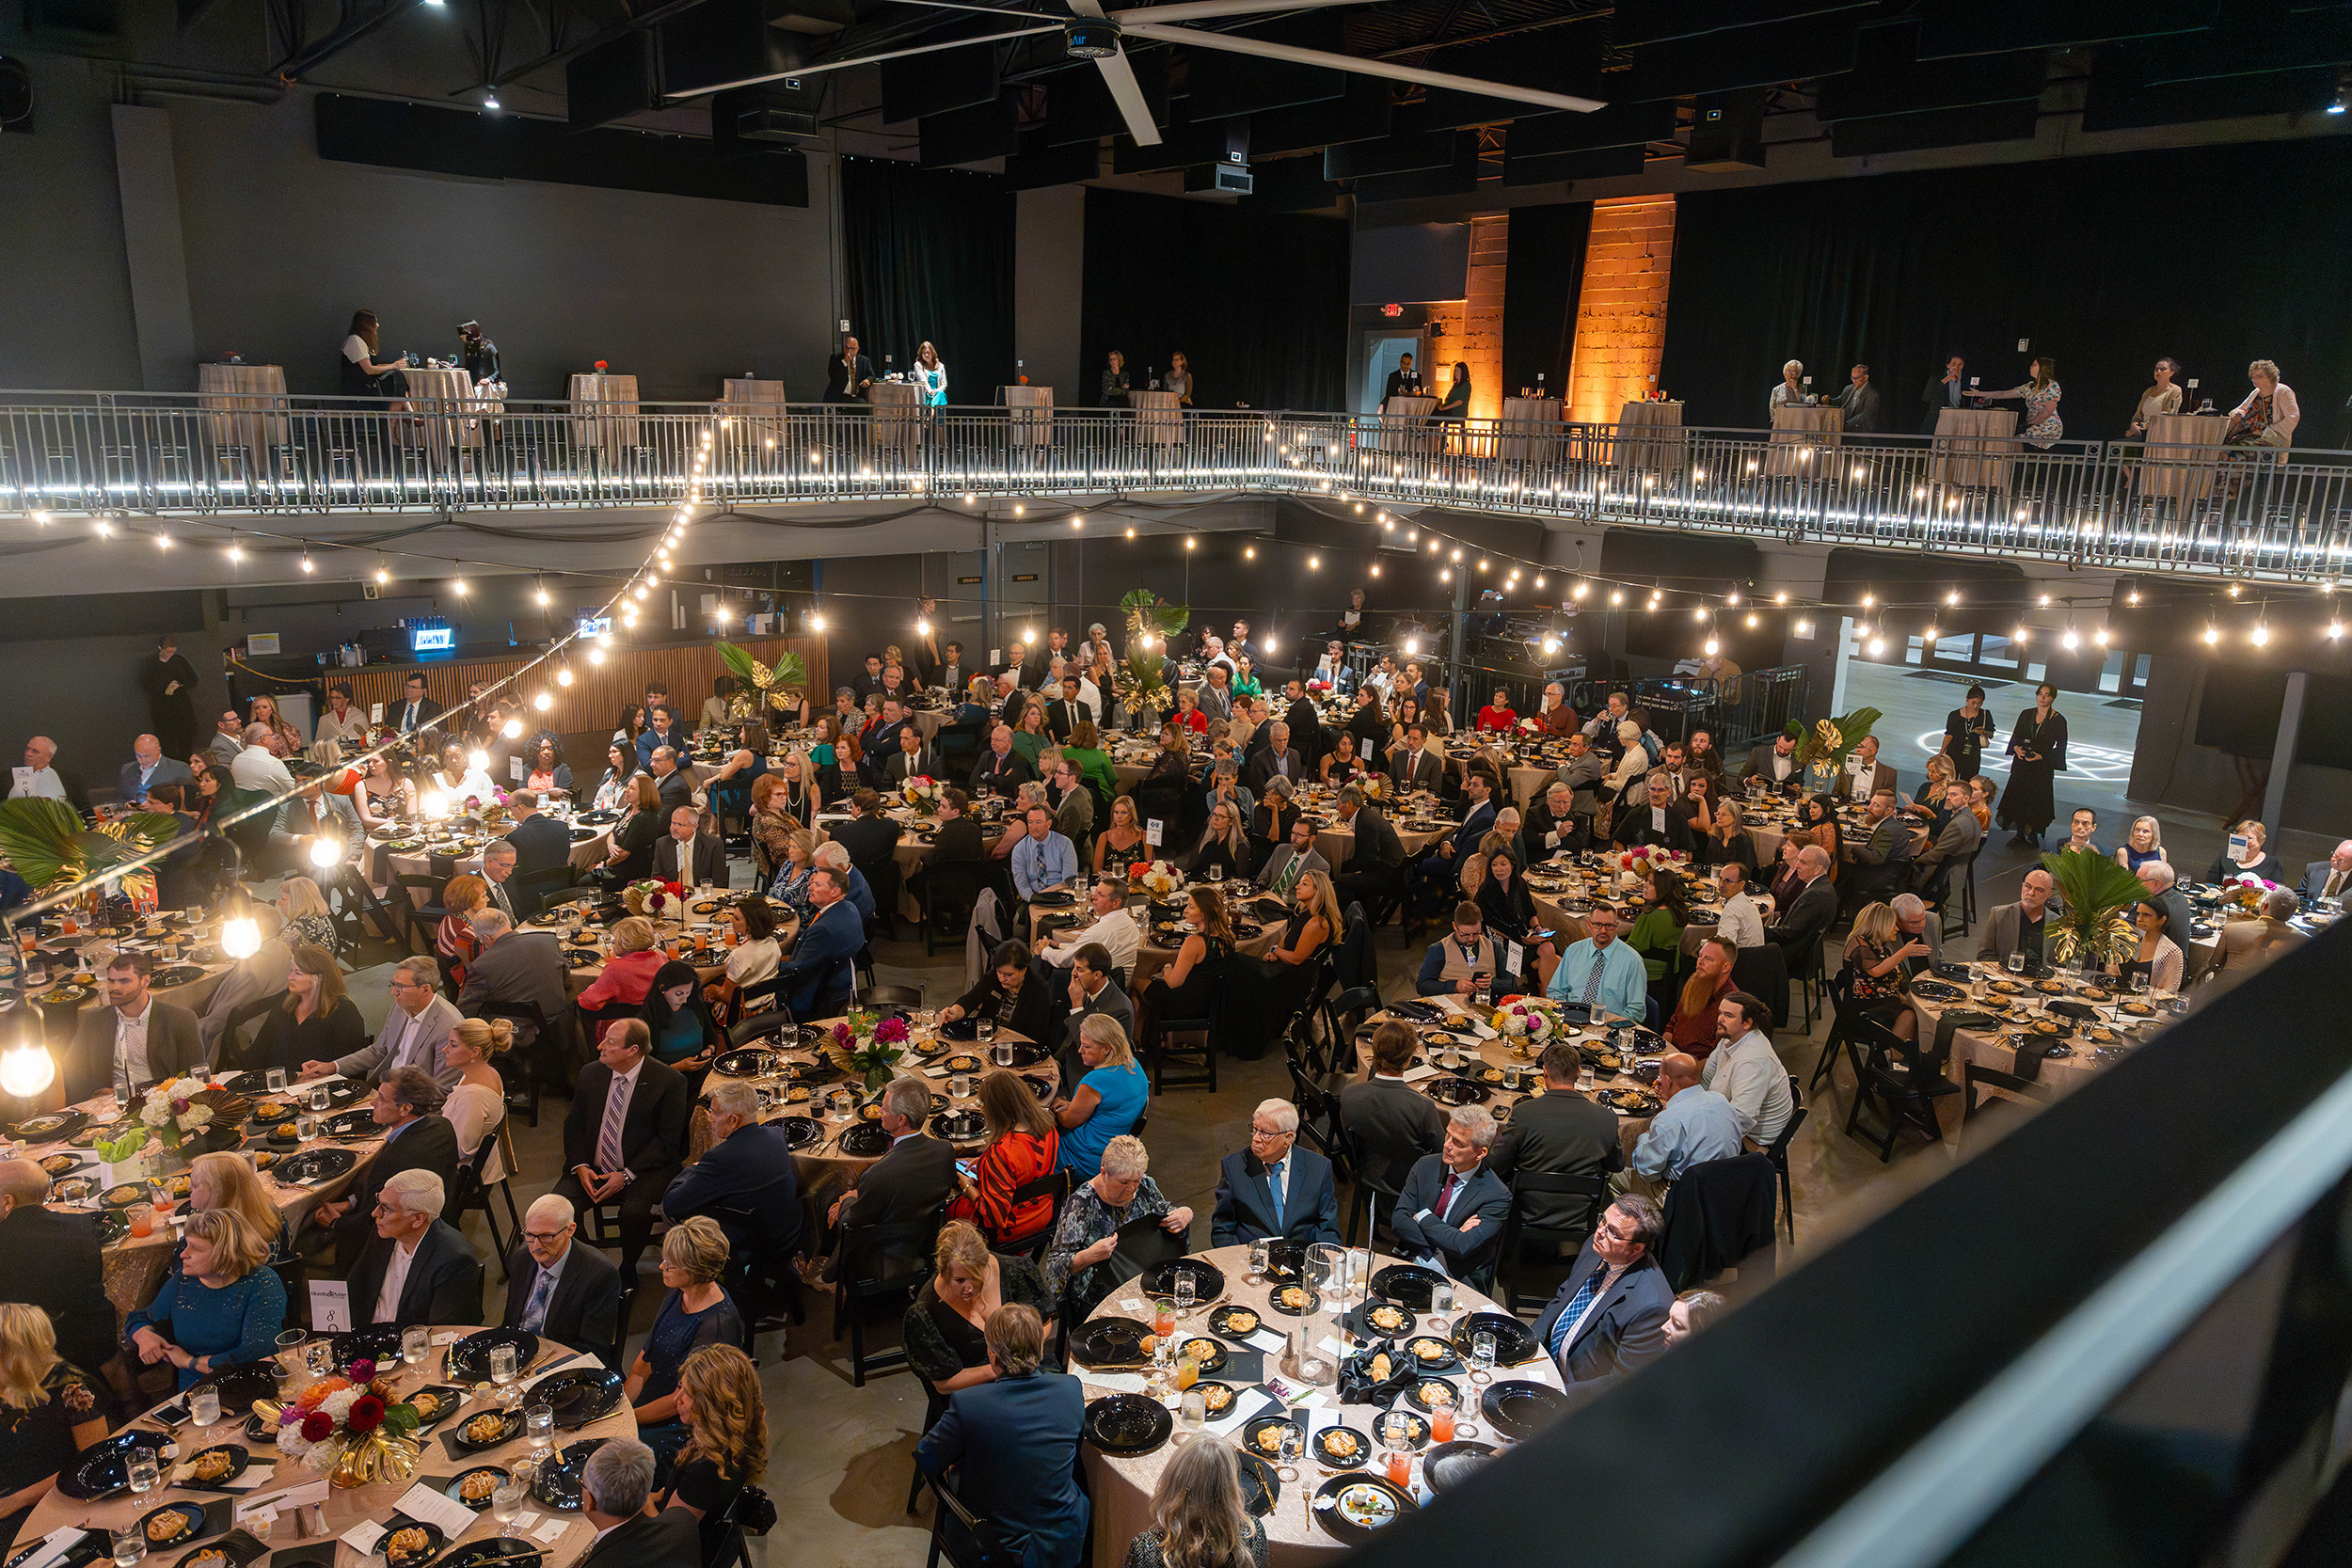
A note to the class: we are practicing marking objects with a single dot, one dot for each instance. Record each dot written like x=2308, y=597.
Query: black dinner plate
x=1126, y=1426
x=1416, y=1428
x=1279, y=1301
x=1446, y=1363
x=803, y=1131
x=577, y=1395
x=961, y=1126
x=99, y=1470
x=49, y=1128
x=557, y=1481
x=1039, y=1087
x=72, y=1189
x=1216, y=1360
x=380, y=1344
x=1222, y=1322
x=447, y=1396
x=238, y=1459
x=89, y=1137
x=1055, y=899
x=750, y=1062
x=320, y=1165
x=866, y=1139
x=1208, y=1280
x=1106, y=1343
x=1342, y=1456
x=470, y=1357
x=1359, y=1320
x=509, y=1426
x=1407, y=1284
x=434, y=1540
x=271, y=1109
x=455, y=1490
x=94, y=1546
x=191, y=1526
x=1417, y=1396
x=1448, y=1465
x=1261, y=1488
x=352, y=1125
x=1631, y=1102
x=1515, y=1342
x=1260, y=1429
x=1217, y=1397
x=1455, y=1091
x=242, y=1383
x=177, y=974
x=1519, y=1410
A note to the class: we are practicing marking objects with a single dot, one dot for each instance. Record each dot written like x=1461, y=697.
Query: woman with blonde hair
x=223, y=1181
x=946, y=1327
x=464, y=896
x=1876, y=953
x=307, y=916
x=2145, y=844
x=1198, y=1520
x=697, y=1312
x=1108, y=1100
x=49, y=1413
x=1118, y=848
x=719, y=1402
x=223, y=1304
x=476, y=1105
x=628, y=973
x=265, y=711
x=789, y=887
x=2254, y=861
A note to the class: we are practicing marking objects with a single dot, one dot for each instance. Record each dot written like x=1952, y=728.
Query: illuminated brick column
x=1621, y=305
x=1480, y=343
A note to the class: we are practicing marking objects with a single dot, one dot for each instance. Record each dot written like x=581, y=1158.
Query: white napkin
x=1421, y=1074
x=554, y=1530
x=1115, y=1383
x=1252, y=1403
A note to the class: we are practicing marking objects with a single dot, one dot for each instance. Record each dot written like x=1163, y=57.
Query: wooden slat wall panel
x=599, y=691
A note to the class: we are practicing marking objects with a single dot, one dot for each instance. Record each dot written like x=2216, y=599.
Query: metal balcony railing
x=2246, y=511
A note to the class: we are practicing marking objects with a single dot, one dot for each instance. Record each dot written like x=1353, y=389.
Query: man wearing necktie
x=1450, y=1214
x=558, y=1287
x=416, y=711
x=2330, y=878
x=1275, y=1190
x=1610, y=1316
x=624, y=1137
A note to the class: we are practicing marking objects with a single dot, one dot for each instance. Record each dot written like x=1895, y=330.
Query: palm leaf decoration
x=49, y=846
x=1824, y=748
x=2095, y=925
x=1149, y=620
x=786, y=676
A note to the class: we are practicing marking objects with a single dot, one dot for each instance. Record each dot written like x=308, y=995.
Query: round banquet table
x=1551, y=887
x=1153, y=955
x=347, y=1507
x=1122, y=1488
x=77, y=980
x=1487, y=1060
x=135, y=1265
x=1995, y=1046
x=465, y=852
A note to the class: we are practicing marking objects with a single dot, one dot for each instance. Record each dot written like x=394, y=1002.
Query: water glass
x=319, y=1100
x=416, y=1343
x=1217, y=873
x=276, y=1080
x=502, y=1365
x=204, y=1404
x=1195, y=1409
x=539, y=1422
x=1183, y=1289
x=1002, y=1053
x=1293, y=1444
x=144, y=1471
x=984, y=1029
x=130, y=1545
x=960, y=1085
x=1257, y=1259
x=506, y=1505
x=2017, y=963
x=1483, y=1354
x=306, y=1128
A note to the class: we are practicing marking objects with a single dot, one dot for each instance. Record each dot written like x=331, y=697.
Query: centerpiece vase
x=371, y=1458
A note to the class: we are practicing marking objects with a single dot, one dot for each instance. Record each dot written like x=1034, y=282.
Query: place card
x=363, y=1537
x=53, y=1547
x=1117, y=1382
x=1252, y=1403
x=1419, y=1074
x=526, y=1521
x=1271, y=1341
x=552, y=1531
x=428, y=1506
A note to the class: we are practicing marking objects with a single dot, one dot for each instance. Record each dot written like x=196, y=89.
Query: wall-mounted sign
x=1391, y=311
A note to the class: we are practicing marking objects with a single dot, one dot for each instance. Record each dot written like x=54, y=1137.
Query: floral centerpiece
x=1528, y=1022
x=872, y=1047
x=179, y=1109
x=1642, y=859
x=2244, y=893
x=656, y=900
x=1159, y=878
x=350, y=1429
x=777, y=686
x=921, y=792
x=1372, y=787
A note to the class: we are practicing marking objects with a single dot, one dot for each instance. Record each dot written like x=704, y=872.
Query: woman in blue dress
x=930, y=375
x=1107, y=1102
x=697, y=1312
x=222, y=1305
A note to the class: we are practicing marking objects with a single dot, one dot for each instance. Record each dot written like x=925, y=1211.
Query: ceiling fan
x=1092, y=34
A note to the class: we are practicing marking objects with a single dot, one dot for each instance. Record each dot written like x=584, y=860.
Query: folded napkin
x=1954, y=1019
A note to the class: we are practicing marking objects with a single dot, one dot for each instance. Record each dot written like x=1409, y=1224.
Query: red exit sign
x=1392, y=312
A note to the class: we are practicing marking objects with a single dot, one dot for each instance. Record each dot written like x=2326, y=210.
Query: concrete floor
x=843, y=1455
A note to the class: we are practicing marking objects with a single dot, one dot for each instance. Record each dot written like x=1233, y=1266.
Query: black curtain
x=929, y=256
x=1539, y=290
x=1256, y=301
x=2214, y=256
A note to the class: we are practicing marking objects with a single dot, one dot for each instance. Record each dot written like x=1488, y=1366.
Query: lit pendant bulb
x=307, y=563
x=563, y=676
x=513, y=728
x=1713, y=647
x=543, y=702
x=241, y=938
x=26, y=1069
x=479, y=761
x=324, y=851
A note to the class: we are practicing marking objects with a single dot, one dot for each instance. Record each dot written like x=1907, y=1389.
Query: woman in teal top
x=1108, y=1100
x=685, y=1035
x=1245, y=682
x=223, y=1304
x=1083, y=751
x=930, y=376
x=1030, y=737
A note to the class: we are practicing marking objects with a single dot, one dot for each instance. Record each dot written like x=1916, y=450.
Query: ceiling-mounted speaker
x=1726, y=130
x=1221, y=179
x=617, y=78
x=748, y=121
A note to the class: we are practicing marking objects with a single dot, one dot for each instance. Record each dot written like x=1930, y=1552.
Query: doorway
x=1383, y=351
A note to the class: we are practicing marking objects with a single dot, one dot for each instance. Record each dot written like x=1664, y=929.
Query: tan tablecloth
x=346, y=1508
x=1997, y=1050
x=253, y=400
x=606, y=406
x=1529, y=430
x=1972, y=448
x=1799, y=436
x=449, y=387
x=1122, y=1488
x=1031, y=410
x=1641, y=441
x=1159, y=418
x=2182, y=454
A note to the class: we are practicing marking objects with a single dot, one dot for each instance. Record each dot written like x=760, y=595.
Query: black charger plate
x=322, y=1164
x=558, y=1483
x=1407, y=1285
x=1514, y=1341
x=1127, y=1426
x=577, y=1395
x=1519, y=1410
x=99, y=1470
x=1334, y=1518
x=470, y=1357
x=1109, y=1341
x=1208, y=1281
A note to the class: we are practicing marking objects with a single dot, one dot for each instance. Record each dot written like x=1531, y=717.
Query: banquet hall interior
x=1221, y=783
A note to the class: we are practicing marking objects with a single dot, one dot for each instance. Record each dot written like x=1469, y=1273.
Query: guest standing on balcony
x=1940, y=392
x=849, y=374
x=1115, y=388
x=362, y=376
x=478, y=354
x=1454, y=408
x=931, y=374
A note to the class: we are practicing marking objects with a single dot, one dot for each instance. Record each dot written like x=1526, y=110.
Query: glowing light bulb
x=2213, y=635
x=2260, y=637
x=435, y=804
x=306, y=565
x=1713, y=647
x=163, y=541
x=513, y=728
x=596, y=655
x=26, y=1069
x=1878, y=647
x=563, y=676
x=241, y=938
x=542, y=596
x=543, y=702
x=2070, y=641
x=458, y=587
x=817, y=622
x=1412, y=647
x=325, y=851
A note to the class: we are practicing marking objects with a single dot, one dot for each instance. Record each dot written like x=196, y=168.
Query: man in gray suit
x=2017, y=928
x=262, y=974
x=688, y=856
x=581, y=1305
x=1289, y=860
x=2328, y=878
x=513, y=966
x=1610, y=1316
x=133, y=1034
x=1959, y=836
x=1861, y=403
x=147, y=768
x=416, y=1031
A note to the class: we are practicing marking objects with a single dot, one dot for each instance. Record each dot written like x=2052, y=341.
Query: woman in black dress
x=318, y=1022
x=49, y=1412
x=1266, y=994
x=945, y=1328
x=719, y=1398
x=2037, y=749
x=1222, y=846
x=634, y=838
x=1187, y=988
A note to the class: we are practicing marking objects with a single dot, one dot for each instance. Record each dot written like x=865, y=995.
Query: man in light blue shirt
x=1603, y=973
x=1044, y=858
x=1696, y=1125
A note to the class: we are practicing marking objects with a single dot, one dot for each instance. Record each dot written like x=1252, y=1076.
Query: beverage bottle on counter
x=1019, y=374
x=889, y=369
x=1539, y=384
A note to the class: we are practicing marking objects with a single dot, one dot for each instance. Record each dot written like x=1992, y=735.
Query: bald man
x=147, y=768
x=41, y=778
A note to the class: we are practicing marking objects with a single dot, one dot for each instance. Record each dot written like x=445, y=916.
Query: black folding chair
x=1974, y=1079
x=1053, y=1184
x=1779, y=1154
x=962, y=1536
x=1565, y=1207
x=1903, y=1083
x=947, y=893
x=878, y=1260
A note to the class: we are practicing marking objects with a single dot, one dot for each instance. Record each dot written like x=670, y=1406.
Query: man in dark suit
x=513, y=966
x=1811, y=912
x=2019, y=926
x=674, y=784
x=1275, y=1190
x=868, y=681
x=414, y=710
x=916, y=1176
x=134, y=1034
x=147, y=768
x=687, y=855
x=1392, y=1124
x=1451, y=1212
x=2328, y=878
x=870, y=837
x=848, y=374
x=625, y=1136
x=1552, y=826
x=878, y=744
x=818, y=980
x=1558, y=1133
x=614, y=1486
x=1305, y=722
x=1947, y=391
x=1000, y=770
x=1404, y=381
x=1657, y=820
x=1279, y=760
x=418, y=1269
x=1478, y=820
x=1412, y=766
x=913, y=759
x=1376, y=866
x=1013, y=1443
x=557, y=1285
x=541, y=842
x=1610, y=1316
x=1883, y=859
x=407, y=1105
x=51, y=1259
x=1066, y=712
x=1774, y=761
x=1860, y=400
x=745, y=1180
x=1875, y=775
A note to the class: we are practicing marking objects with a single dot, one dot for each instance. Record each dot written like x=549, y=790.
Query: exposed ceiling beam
x=348, y=32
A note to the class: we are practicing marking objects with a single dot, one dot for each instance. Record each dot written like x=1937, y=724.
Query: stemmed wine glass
x=1293, y=1444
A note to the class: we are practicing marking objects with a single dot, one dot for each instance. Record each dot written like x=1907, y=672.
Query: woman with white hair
x=1632, y=771
x=1789, y=393
x=1077, y=1263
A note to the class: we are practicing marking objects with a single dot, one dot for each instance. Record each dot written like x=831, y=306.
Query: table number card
x=1152, y=832
x=330, y=1306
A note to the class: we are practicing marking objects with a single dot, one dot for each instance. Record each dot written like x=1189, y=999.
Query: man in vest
x=1455, y=964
